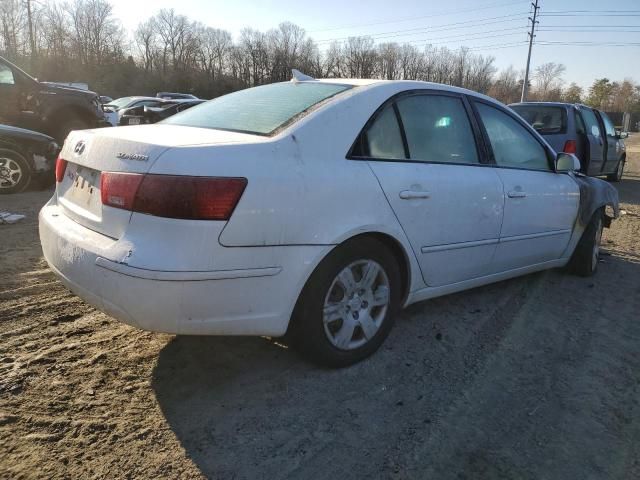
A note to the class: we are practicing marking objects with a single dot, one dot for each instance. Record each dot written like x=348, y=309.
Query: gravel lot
x=533, y=378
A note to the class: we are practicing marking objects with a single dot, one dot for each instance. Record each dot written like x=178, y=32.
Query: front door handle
x=516, y=194
x=411, y=194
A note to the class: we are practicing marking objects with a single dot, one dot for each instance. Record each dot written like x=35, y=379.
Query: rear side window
x=580, y=126
x=545, y=119
x=512, y=145
x=6, y=75
x=383, y=138
x=437, y=129
x=258, y=110
x=590, y=120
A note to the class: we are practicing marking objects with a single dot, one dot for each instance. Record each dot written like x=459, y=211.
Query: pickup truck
x=584, y=131
x=46, y=107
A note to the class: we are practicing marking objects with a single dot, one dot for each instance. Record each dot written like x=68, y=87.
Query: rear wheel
x=617, y=175
x=586, y=256
x=15, y=174
x=347, y=307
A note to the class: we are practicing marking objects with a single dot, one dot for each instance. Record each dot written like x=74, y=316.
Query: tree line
x=82, y=40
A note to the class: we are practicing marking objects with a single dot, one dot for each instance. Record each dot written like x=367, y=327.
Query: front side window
x=593, y=127
x=259, y=110
x=6, y=75
x=512, y=145
x=608, y=125
x=437, y=129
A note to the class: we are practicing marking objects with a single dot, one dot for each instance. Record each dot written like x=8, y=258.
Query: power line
x=408, y=19
x=430, y=42
x=436, y=28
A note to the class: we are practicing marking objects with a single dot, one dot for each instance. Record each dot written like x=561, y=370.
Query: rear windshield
x=258, y=110
x=545, y=119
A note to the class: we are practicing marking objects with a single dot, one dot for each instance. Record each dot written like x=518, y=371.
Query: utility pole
x=534, y=22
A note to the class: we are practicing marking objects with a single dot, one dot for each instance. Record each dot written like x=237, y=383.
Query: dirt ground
x=533, y=378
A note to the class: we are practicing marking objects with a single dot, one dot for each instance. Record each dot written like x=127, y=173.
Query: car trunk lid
x=134, y=150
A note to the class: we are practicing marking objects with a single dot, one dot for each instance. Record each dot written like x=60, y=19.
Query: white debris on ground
x=7, y=217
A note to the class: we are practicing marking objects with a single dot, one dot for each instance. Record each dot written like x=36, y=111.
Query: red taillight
x=569, y=146
x=173, y=196
x=119, y=189
x=61, y=167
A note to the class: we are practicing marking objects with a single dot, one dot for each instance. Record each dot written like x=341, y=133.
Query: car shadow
x=248, y=407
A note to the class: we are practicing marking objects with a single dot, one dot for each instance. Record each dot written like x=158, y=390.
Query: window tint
x=593, y=127
x=383, y=138
x=546, y=120
x=608, y=125
x=6, y=75
x=437, y=129
x=512, y=144
x=259, y=110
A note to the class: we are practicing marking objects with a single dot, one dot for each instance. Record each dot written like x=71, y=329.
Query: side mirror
x=621, y=135
x=567, y=162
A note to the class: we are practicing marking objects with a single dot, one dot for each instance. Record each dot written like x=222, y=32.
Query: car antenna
x=298, y=76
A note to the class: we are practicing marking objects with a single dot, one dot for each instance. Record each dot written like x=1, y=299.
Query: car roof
x=545, y=104
x=407, y=84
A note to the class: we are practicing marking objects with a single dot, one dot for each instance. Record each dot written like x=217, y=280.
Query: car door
x=612, y=153
x=540, y=205
x=595, y=141
x=423, y=149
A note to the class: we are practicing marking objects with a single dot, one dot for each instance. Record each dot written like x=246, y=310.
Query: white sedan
x=315, y=208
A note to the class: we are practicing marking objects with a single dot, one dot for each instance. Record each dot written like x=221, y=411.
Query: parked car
x=314, y=208
x=48, y=108
x=105, y=99
x=176, y=96
x=578, y=129
x=25, y=156
x=152, y=114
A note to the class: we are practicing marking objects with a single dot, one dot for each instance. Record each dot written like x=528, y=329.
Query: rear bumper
x=243, y=301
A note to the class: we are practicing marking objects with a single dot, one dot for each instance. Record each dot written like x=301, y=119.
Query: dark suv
x=45, y=107
x=575, y=128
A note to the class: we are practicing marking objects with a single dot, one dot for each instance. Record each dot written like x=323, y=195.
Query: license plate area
x=80, y=191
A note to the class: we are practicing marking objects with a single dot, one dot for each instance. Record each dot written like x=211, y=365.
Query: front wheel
x=586, y=256
x=347, y=307
x=15, y=174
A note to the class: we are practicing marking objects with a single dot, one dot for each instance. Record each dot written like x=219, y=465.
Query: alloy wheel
x=10, y=173
x=356, y=304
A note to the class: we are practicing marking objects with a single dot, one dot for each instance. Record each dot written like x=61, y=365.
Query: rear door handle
x=411, y=194
x=516, y=194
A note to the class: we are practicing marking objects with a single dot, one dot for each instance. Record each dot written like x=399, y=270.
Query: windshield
x=120, y=102
x=545, y=119
x=258, y=110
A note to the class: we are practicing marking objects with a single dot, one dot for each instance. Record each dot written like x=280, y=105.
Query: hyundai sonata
x=315, y=208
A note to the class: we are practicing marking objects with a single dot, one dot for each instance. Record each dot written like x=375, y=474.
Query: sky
x=603, y=36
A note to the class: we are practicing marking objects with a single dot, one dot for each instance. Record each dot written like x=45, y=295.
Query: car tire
x=15, y=173
x=68, y=125
x=348, y=305
x=617, y=175
x=586, y=256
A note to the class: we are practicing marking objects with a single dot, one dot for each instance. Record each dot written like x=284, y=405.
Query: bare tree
x=548, y=80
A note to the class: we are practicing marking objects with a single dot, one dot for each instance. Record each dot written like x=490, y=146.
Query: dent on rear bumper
x=243, y=301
